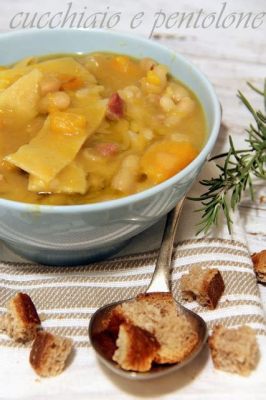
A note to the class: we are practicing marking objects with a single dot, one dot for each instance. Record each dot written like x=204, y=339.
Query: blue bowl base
x=65, y=257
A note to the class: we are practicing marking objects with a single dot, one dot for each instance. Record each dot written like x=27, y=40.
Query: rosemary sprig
x=223, y=193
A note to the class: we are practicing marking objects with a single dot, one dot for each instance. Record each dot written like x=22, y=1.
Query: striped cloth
x=66, y=297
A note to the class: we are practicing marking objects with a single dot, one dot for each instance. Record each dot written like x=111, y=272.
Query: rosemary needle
x=236, y=172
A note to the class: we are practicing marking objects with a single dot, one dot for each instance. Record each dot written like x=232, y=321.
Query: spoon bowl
x=157, y=370
x=159, y=283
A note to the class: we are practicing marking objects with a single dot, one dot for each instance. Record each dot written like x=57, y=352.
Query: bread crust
x=22, y=321
x=39, y=349
x=49, y=353
x=136, y=348
x=156, y=297
x=206, y=286
x=25, y=309
x=259, y=265
x=213, y=287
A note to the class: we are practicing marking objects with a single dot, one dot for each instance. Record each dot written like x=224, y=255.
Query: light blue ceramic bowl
x=77, y=234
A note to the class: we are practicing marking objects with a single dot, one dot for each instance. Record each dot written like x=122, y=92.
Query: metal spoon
x=159, y=283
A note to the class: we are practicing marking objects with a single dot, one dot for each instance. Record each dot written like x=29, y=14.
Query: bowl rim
x=145, y=194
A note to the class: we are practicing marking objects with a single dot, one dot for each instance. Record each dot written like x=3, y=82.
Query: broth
x=77, y=129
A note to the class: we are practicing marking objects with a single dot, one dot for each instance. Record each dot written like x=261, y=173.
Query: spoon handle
x=161, y=275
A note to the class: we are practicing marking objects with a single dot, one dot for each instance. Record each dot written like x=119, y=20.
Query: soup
x=77, y=129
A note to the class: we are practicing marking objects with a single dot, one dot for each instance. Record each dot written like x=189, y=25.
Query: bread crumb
x=136, y=348
x=259, y=265
x=234, y=350
x=49, y=354
x=156, y=317
x=21, y=322
x=206, y=286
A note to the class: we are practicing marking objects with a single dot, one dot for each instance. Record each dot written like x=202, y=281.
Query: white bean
x=161, y=71
x=172, y=120
x=91, y=63
x=49, y=84
x=185, y=105
x=131, y=162
x=84, y=92
x=125, y=179
x=166, y=103
x=148, y=134
x=129, y=93
x=176, y=91
x=57, y=100
x=147, y=63
x=61, y=100
x=81, y=93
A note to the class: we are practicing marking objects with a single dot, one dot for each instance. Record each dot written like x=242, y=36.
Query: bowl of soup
x=101, y=134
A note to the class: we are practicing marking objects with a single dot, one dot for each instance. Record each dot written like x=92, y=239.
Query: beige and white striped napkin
x=67, y=296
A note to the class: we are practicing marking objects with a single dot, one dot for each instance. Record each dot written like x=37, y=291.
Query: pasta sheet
x=49, y=152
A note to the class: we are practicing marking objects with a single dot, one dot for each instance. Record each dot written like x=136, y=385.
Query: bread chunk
x=259, y=265
x=136, y=348
x=234, y=350
x=22, y=321
x=206, y=286
x=158, y=314
x=49, y=354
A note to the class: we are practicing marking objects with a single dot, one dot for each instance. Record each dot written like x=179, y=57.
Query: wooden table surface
x=228, y=57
